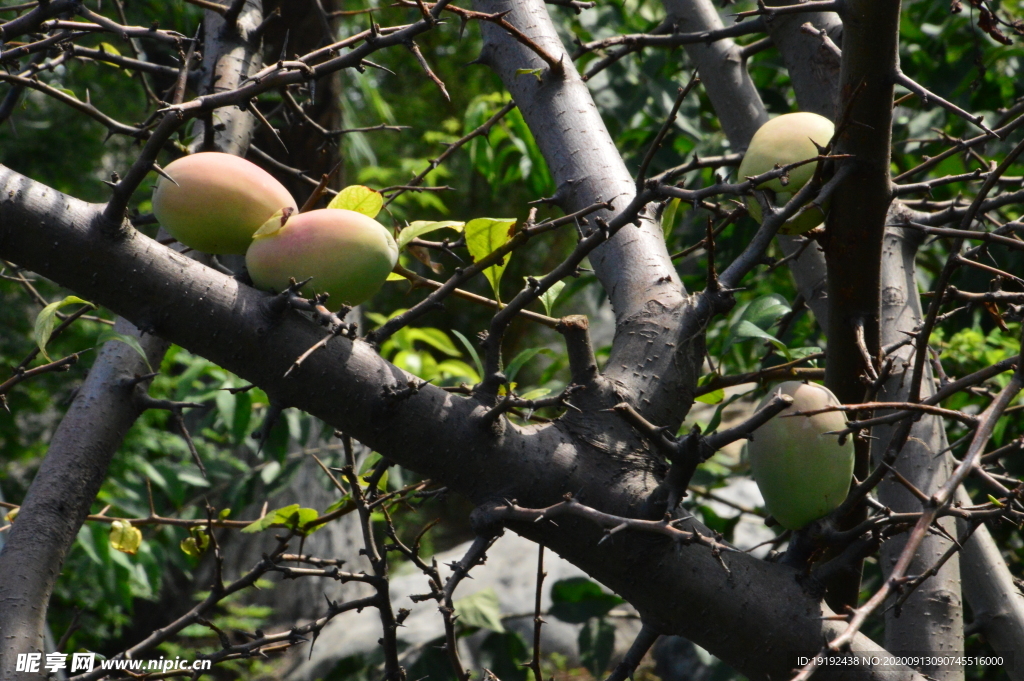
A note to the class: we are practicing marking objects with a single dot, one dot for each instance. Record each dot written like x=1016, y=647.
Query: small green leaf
x=274, y=223
x=531, y=72
x=125, y=537
x=190, y=548
x=435, y=338
x=577, y=599
x=421, y=227
x=766, y=310
x=130, y=341
x=535, y=394
x=481, y=609
x=549, y=297
x=109, y=49
x=669, y=218
x=70, y=93
x=395, y=276
x=521, y=359
x=196, y=543
x=471, y=350
x=483, y=237
x=360, y=199
x=271, y=518
x=746, y=329
x=47, y=319
x=713, y=397
x=716, y=419
x=344, y=502
x=11, y=515
x=756, y=318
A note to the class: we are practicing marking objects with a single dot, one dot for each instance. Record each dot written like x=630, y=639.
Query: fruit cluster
x=218, y=203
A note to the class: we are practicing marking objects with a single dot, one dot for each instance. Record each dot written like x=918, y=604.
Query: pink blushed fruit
x=219, y=201
x=347, y=254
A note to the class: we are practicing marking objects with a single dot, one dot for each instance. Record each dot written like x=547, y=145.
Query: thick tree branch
x=232, y=325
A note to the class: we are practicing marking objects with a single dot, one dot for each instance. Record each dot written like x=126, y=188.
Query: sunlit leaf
x=549, y=297
x=125, y=537
x=481, y=609
x=360, y=199
x=531, y=72
x=421, y=227
x=483, y=237
x=46, y=320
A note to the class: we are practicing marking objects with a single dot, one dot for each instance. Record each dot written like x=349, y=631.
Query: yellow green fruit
x=803, y=473
x=218, y=202
x=348, y=255
x=782, y=140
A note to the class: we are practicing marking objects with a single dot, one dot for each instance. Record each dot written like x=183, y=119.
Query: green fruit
x=803, y=473
x=783, y=140
x=218, y=202
x=348, y=255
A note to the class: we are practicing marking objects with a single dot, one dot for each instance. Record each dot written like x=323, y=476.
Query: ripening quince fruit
x=348, y=254
x=783, y=140
x=218, y=202
x=802, y=472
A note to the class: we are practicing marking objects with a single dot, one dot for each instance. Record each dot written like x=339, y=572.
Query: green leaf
x=669, y=218
x=360, y=199
x=344, y=502
x=766, y=310
x=535, y=394
x=395, y=276
x=435, y=338
x=421, y=227
x=109, y=49
x=483, y=237
x=47, y=319
x=549, y=297
x=716, y=419
x=196, y=543
x=471, y=350
x=578, y=599
x=125, y=537
x=291, y=516
x=756, y=318
x=596, y=642
x=713, y=397
x=744, y=330
x=531, y=72
x=130, y=341
x=522, y=358
x=480, y=610
x=273, y=224
x=715, y=522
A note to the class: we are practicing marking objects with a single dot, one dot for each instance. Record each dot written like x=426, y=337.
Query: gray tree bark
x=932, y=617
